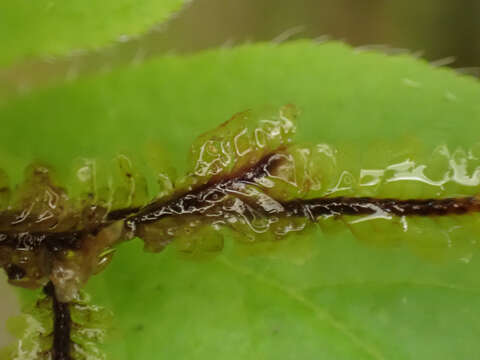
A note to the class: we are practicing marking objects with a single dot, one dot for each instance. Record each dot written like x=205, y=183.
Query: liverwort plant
x=355, y=238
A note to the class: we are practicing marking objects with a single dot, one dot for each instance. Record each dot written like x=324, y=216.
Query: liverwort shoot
x=247, y=177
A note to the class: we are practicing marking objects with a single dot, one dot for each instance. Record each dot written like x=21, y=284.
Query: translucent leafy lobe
x=247, y=176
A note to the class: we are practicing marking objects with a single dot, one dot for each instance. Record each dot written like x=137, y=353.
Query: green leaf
x=50, y=28
x=314, y=296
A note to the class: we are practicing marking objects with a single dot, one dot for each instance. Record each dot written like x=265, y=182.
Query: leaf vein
x=320, y=313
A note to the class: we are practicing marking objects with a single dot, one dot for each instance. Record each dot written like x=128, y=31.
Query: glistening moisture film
x=248, y=177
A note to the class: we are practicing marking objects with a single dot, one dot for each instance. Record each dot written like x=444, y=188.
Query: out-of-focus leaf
x=49, y=27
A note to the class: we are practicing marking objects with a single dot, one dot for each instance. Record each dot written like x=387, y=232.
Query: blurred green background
x=445, y=32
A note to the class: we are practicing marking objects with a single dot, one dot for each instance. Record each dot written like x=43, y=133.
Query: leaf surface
x=313, y=296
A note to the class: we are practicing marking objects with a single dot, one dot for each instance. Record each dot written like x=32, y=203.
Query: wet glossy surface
x=50, y=329
x=247, y=176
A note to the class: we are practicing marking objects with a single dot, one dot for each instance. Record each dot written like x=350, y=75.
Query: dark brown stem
x=200, y=199
x=62, y=323
x=338, y=206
